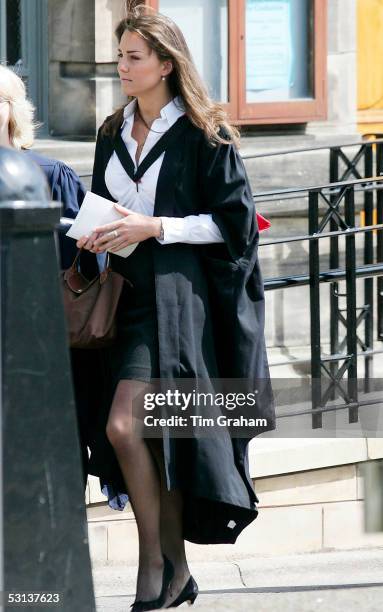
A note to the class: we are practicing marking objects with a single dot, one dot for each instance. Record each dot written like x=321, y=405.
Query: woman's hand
x=87, y=242
x=133, y=227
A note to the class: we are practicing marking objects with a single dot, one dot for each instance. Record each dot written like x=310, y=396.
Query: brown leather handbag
x=90, y=306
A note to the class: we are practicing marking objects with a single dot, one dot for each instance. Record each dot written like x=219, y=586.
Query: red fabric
x=263, y=224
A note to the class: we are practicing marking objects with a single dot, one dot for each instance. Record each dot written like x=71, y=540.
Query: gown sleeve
x=234, y=276
x=227, y=195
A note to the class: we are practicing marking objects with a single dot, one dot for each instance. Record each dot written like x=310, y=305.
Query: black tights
x=158, y=512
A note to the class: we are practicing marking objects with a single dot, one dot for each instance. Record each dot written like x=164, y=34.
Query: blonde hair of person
x=165, y=38
x=21, y=124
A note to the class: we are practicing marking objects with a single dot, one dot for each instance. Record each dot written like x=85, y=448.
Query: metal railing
x=337, y=215
x=337, y=212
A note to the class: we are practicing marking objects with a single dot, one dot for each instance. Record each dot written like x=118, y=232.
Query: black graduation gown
x=204, y=293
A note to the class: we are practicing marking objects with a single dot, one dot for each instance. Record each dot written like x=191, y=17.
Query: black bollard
x=42, y=510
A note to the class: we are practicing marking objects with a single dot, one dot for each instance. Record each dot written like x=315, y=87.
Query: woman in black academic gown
x=194, y=308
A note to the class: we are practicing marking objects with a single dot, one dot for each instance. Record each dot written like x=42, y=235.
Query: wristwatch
x=162, y=233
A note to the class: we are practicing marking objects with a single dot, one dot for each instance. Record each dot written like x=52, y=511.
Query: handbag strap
x=161, y=145
x=101, y=277
x=75, y=261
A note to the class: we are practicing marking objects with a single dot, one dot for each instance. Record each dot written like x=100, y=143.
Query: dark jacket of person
x=67, y=188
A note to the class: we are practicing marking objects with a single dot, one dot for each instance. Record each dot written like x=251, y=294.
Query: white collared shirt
x=194, y=229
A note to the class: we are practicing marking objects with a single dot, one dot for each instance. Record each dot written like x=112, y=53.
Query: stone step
x=287, y=583
x=311, y=527
x=323, y=509
x=314, y=569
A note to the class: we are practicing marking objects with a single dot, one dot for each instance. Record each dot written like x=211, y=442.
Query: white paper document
x=96, y=211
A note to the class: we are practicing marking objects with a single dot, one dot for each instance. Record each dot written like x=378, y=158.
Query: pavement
x=332, y=581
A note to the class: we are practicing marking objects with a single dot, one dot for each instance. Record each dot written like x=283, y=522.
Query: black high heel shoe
x=189, y=593
x=155, y=604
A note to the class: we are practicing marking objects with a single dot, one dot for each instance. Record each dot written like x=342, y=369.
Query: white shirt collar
x=170, y=113
x=130, y=108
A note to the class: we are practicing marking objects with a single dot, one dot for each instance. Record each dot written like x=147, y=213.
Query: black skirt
x=135, y=354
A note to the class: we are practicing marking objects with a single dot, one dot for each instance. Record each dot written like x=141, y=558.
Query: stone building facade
x=67, y=53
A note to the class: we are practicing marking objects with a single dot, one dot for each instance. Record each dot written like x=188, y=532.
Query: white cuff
x=192, y=229
x=174, y=229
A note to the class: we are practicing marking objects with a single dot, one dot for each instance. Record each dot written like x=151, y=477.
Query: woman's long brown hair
x=165, y=38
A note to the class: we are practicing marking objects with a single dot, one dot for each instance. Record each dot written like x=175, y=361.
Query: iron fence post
x=368, y=306
x=352, y=381
x=314, y=269
x=334, y=263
